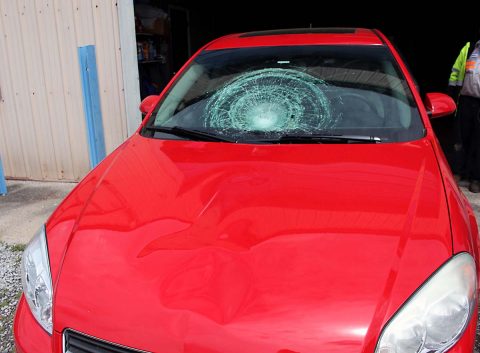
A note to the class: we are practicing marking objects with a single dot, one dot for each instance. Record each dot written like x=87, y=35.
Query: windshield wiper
x=192, y=134
x=326, y=138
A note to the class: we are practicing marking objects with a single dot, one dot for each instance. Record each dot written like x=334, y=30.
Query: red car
x=285, y=193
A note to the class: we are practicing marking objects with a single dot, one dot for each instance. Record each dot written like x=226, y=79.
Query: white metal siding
x=42, y=123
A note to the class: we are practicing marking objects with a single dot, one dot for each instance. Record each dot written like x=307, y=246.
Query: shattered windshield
x=270, y=94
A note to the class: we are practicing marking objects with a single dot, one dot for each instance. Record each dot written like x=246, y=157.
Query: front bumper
x=31, y=338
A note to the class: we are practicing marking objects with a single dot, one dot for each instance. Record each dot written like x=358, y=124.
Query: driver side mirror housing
x=148, y=104
x=439, y=104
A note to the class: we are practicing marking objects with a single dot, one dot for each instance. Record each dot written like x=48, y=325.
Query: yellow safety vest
x=458, y=69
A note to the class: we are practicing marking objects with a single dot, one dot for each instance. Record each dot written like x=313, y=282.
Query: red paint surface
x=439, y=104
x=214, y=247
x=197, y=247
x=28, y=334
x=360, y=37
x=148, y=103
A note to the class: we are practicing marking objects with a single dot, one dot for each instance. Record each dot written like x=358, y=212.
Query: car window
x=260, y=94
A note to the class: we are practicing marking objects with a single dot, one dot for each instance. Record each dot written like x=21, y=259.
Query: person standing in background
x=464, y=87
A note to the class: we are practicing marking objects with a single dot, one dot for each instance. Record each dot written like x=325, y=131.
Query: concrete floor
x=474, y=201
x=27, y=205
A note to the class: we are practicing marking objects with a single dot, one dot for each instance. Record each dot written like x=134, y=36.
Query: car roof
x=298, y=36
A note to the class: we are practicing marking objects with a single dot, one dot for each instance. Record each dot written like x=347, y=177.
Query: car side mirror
x=148, y=104
x=439, y=104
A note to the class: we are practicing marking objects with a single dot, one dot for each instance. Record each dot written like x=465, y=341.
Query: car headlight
x=436, y=316
x=37, y=280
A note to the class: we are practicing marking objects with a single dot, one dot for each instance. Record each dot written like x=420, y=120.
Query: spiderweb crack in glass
x=273, y=99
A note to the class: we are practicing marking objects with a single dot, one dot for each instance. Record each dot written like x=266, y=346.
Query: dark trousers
x=467, y=138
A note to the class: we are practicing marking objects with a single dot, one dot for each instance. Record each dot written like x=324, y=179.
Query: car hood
x=217, y=247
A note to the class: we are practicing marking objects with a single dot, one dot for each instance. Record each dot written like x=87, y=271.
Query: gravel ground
x=477, y=340
x=10, y=289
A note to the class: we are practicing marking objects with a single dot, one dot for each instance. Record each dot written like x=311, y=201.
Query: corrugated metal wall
x=42, y=123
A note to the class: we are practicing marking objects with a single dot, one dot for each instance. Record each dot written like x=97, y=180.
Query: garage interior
x=168, y=32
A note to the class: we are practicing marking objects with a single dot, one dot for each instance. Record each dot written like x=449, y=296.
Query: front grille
x=74, y=342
